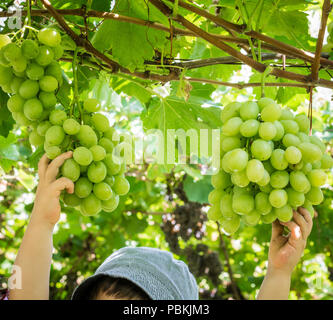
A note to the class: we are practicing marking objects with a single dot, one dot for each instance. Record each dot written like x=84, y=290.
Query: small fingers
x=42, y=166
x=295, y=230
x=277, y=229
x=62, y=184
x=53, y=169
x=302, y=223
x=306, y=214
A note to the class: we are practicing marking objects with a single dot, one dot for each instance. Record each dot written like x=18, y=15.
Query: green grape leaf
x=129, y=43
x=198, y=190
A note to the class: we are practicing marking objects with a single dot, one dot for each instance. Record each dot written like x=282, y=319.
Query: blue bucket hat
x=155, y=271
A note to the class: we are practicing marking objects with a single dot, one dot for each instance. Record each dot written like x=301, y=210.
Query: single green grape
x=237, y=159
x=267, y=131
x=15, y=84
x=230, y=143
x=279, y=179
x=43, y=127
x=49, y=37
x=278, y=159
x=242, y=203
x=232, y=127
x=30, y=49
x=91, y=105
x=45, y=56
x=293, y=155
x=315, y=195
x=290, y=139
x=48, y=99
x=83, y=156
x=261, y=149
x=33, y=109
x=96, y=172
x=29, y=89
x=255, y=170
x=295, y=198
x=221, y=180
x=15, y=103
x=102, y=191
x=262, y=204
x=4, y=40
x=55, y=135
x=48, y=84
x=286, y=114
x=290, y=126
x=111, y=204
x=100, y=122
x=230, y=226
x=299, y=181
x=249, y=128
x=240, y=179
x=98, y=152
x=91, y=205
x=71, y=126
x=249, y=110
x=252, y=218
x=279, y=131
x=112, y=167
x=72, y=200
x=52, y=151
x=269, y=217
x=271, y=112
x=214, y=197
x=71, y=170
x=121, y=186
x=34, y=71
x=83, y=187
x=226, y=210
x=57, y=117
x=303, y=123
x=285, y=213
x=87, y=136
x=230, y=111
x=317, y=177
x=35, y=139
x=106, y=144
x=278, y=198
x=310, y=152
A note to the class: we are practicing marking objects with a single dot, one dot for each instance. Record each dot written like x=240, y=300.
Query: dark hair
x=119, y=288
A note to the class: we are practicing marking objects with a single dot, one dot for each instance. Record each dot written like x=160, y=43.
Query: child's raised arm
x=284, y=254
x=35, y=253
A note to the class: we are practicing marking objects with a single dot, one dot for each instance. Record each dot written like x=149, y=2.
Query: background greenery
x=166, y=205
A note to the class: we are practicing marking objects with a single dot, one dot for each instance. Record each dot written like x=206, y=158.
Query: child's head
x=109, y=288
x=139, y=274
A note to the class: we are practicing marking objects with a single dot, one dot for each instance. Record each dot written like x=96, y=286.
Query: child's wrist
x=277, y=272
x=40, y=221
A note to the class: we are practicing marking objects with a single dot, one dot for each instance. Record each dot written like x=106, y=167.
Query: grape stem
x=263, y=79
x=76, y=101
x=223, y=247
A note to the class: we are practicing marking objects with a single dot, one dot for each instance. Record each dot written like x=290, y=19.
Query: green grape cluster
x=269, y=165
x=31, y=74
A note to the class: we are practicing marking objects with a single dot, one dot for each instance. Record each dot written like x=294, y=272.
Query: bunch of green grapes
x=31, y=75
x=269, y=165
x=98, y=165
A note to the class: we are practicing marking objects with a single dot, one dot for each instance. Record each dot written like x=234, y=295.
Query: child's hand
x=47, y=206
x=286, y=251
